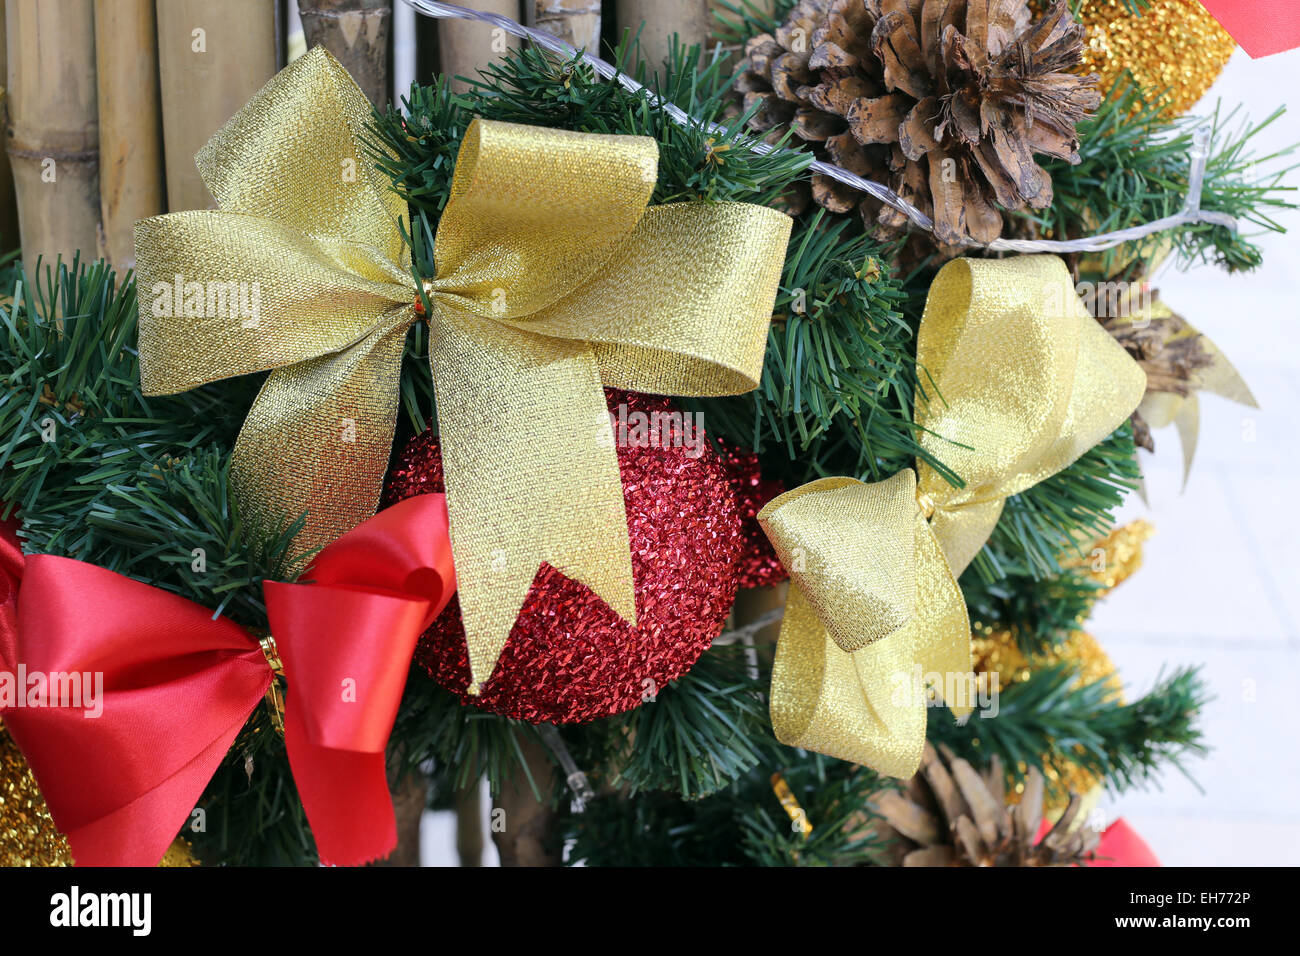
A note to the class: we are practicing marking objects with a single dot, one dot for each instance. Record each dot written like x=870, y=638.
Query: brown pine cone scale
x=945, y=101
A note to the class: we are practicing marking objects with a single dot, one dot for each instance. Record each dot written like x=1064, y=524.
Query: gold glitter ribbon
x=553, y=279
x=1026, y=382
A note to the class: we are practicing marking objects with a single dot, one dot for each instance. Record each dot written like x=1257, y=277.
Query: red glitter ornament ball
x=569, y=657
x=759, y=567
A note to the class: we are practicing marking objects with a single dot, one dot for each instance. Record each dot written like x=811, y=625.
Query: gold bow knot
x=1026, y=381
x=554, y=277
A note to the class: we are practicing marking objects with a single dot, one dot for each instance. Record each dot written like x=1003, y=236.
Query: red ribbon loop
x=178, y=686
x=346, y=640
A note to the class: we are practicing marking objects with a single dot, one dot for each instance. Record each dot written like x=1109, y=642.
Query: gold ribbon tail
x=531, y=476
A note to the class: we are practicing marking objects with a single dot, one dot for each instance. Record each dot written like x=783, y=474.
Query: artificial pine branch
x=735, y=21
x=103, y=474
x=839, y=372
x=254, y=816
x=464, y=743
x=1042, y=612
x=1133, y=168
x=697, y=735
x=1052, y=721
x=744, y=825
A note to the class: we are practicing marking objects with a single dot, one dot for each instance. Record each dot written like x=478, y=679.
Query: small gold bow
x=553, y=278
x=1026, y=382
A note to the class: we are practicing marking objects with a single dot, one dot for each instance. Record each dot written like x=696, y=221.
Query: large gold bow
x=1026, y=382
x=553, y=277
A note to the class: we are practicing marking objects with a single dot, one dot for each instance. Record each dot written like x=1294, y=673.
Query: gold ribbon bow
x=553, y=278
x=1026, y=382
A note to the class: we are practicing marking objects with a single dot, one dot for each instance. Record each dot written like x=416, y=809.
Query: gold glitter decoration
x=28, y=836
x=554, y=277
x=180, y=853
x=1111, y=560
x=1174, y=47
x=790, y=803
x=1029, y=381
x=996, y=651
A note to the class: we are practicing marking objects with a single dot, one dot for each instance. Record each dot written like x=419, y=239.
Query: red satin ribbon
x=1261, y=27
x=178, y=686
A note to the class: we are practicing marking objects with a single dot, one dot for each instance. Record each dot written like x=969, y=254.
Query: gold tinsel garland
x=1113, y=559
x=1173, y=47
x=28, y=836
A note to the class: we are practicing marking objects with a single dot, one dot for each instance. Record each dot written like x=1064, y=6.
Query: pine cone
x=1167, y=348
x=946, y=101
x=953, y=816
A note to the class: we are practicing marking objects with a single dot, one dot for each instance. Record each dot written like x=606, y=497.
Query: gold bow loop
x=1025, y=382
x=873, y=610
x=553, y=277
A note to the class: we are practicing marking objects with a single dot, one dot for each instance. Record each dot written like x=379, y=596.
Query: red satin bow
x=178, y=686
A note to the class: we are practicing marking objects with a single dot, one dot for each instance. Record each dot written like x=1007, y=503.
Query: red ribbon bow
x=178, y=686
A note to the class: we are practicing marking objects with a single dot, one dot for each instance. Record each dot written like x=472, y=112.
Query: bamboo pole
x=576, y=21
x=52, y=132
x=719, y=7
x=467, y=46
x=752, y=603
x=658, y=20
x=469, y=825
x=211, y=59
x=521, y=824
x=8, y=201
x=130, y=123
x=410, y=797
x=356, y=32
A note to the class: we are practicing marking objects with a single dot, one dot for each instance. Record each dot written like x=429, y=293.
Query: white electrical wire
x=1190, y=214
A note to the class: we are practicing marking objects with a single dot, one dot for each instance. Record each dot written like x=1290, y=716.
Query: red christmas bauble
x=569, y=657
x=759, y=566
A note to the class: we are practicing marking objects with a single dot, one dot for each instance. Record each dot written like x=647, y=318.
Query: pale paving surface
x=1221, y=584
